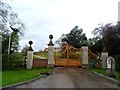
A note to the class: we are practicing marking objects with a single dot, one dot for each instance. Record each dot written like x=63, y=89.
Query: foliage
x=95, y=46
x=7, y=19
x=24, y=51
x=110, y=34
x=12, y=77
x=72, y=56
x=13, y=63
x=76, y=38
x=117, y=58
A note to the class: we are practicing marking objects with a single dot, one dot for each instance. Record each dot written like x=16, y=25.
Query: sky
x=57, y=17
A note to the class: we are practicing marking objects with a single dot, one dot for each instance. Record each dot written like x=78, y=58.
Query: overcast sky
x=57, y=17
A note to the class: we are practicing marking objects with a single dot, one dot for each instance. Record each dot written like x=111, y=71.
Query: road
x=63, y=77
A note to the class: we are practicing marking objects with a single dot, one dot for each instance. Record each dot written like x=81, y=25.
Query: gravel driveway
x=63, y=77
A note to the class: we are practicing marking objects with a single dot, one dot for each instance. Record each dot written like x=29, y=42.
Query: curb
x=113, y=80
x=28, y=81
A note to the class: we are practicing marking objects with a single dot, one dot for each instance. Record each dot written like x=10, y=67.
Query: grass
x=0, y=78
x=99, y=70
x=118, y=75
x=34, y=57
x=43, y=54
x=12, y=77
x=103, y=71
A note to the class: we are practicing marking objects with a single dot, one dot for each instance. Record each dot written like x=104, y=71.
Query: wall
x=38, y=63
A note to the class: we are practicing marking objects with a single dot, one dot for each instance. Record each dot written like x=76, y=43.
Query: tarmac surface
x=68, y=77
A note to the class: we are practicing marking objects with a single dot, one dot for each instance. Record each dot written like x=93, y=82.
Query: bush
x=117, y=58
x=13, y=63
x=5, y=63
x=72, y=56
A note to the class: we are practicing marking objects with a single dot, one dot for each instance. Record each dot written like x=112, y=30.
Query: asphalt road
x=63, y=77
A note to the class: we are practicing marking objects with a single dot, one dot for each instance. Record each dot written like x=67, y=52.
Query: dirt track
x=71, y=78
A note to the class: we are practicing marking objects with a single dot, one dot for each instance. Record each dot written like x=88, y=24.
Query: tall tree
x=7, y=19
x=111, y=37
x=76, y=38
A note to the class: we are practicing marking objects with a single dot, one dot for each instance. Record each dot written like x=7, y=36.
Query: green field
x=12, y=77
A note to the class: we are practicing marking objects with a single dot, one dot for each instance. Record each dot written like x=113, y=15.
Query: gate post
x=84, y=56
x=104, y=56
x=29, y=62
x=50, y=52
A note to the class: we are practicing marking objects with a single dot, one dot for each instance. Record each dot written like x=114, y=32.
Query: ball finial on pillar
x=51, y=43
x=51, y=36
x=30, y=48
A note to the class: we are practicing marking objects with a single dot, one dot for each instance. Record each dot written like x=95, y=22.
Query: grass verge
x=13, y=77
x=103, y=71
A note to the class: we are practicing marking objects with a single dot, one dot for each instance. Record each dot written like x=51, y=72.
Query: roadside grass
x=118, y=75
x=13, y=77
x=0, y=78
x=103, y=71
x=99, y=70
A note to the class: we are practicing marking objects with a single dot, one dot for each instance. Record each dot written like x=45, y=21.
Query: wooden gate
x=68, y=56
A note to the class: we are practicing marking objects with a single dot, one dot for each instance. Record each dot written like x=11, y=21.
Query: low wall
x=38, y=63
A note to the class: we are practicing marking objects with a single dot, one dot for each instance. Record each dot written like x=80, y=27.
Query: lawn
x=103, y=71
x=12, y=77
x=43, y=54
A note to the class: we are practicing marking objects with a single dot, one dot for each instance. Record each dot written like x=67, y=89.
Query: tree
x=76, y=38
x=7, y=19
x=95, y=44
x=110, y=33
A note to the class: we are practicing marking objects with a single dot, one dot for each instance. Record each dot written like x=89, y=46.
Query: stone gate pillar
x=29, y=62
x=51, y=52
x=104, y=56
x=84, y=56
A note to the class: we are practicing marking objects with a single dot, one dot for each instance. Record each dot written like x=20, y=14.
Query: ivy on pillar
x=50, y=52
x=29, y=62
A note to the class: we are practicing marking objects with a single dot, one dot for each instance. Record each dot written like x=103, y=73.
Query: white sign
x=108, y=63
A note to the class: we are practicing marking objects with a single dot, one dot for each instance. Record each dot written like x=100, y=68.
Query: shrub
x=72, y=56
x=117, y=58
x=13, y=63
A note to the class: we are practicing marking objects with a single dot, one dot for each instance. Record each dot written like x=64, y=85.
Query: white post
x=84, y=55
x=29, y=63
x=51, y=52
x=29, y=59
x=104, y=56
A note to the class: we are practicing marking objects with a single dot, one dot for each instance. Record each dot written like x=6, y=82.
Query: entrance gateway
x=68, y=55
